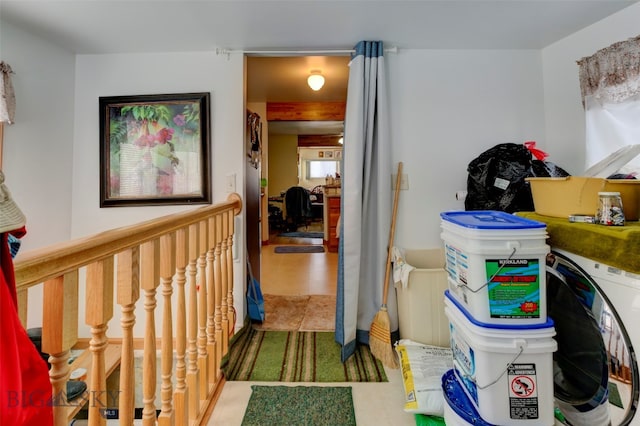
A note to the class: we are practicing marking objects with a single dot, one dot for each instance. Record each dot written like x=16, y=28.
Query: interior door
x=253, y=192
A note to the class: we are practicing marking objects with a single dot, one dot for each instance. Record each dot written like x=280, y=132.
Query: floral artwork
x=155, y=149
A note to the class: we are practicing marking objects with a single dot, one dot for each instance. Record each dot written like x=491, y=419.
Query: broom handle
x=392, y=231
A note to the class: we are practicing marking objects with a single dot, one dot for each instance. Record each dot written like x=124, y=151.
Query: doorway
x=295, y=281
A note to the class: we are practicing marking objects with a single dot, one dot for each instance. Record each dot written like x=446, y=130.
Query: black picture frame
x=155, y=149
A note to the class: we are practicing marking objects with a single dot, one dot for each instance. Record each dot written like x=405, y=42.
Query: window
x=610, y=85
x=319, y=169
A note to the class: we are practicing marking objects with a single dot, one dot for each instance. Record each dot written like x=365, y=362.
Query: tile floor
x=379, y=404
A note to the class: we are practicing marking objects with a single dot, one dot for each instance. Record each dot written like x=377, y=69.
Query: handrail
x=184, y=259
x=38, y=265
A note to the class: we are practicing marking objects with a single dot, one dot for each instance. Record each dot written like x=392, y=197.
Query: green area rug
x=299, y=405
x=614, y=395
x=296, y=356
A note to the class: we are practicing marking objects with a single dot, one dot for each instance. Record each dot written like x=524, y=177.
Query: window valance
x=612, y=74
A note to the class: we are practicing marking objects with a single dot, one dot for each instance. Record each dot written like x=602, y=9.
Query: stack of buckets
x=501, y=338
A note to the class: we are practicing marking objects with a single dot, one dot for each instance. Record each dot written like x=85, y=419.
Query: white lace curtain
x=612, y=74
x=7, y=96
x=610, y=86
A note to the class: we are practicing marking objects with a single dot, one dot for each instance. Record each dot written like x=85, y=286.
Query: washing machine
x=596, y=311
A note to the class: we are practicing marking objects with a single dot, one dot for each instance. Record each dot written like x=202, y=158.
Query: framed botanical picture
x=154, y=149
x=338, y=155
x=328, y=154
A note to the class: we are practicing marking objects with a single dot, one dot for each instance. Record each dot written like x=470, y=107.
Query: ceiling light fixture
x=315, y=80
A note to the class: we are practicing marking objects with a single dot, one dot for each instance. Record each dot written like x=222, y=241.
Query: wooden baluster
x=211, y=304
x=217, y=273
x=225, y=282
x=181, y=394
x=23, y=302
x=128, y=293
x=229, y=232
x=192, y=325
x=99, y=303
x=59, y=334
x=202, y=311
x=149, y=281
x=167, y=270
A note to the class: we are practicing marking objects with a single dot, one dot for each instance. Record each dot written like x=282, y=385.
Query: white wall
x=447, y=107
x=565, y=121
x=138, y=74
x=38, y=148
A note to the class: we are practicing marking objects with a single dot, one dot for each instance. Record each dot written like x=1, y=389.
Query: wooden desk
x=331, y=216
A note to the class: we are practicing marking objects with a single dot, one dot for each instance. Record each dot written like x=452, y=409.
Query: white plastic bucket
x=495, y=265
x=506, y=371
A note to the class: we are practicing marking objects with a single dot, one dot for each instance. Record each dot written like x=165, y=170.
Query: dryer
x=595, y=380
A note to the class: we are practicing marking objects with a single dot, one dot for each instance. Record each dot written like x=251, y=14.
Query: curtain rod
x=228, y=52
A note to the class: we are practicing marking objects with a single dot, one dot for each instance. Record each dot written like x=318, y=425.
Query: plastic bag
x=422, y=369
x=496, y=179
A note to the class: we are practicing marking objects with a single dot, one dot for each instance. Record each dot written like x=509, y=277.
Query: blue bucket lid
x=490, y=219
x=547, y=324
x=459, y=401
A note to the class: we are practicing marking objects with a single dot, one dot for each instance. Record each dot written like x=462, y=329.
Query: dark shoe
x=75, y=389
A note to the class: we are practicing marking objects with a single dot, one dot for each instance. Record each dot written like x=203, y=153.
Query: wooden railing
x=188, y=256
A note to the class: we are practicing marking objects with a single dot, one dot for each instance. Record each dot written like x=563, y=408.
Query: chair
x=297, y=202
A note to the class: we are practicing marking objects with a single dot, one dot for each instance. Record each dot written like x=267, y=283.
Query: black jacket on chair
x=298, y=205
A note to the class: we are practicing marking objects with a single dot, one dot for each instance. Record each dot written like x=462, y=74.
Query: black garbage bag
x=496, y=179
x=540, y=168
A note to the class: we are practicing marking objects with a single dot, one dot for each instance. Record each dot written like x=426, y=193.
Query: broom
x=380, y=332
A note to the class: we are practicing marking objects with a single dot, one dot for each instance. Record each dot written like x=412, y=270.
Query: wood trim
x=41, y=264
x=319, y=140
x=211, y=402
x=306, y=111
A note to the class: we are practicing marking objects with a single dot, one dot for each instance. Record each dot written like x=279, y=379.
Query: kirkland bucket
x=506, y=371
x=495, y=265
x=458, y=410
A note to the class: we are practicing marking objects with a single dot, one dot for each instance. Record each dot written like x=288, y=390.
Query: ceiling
x=237, y=26
x=106, y=26
x=284, y=79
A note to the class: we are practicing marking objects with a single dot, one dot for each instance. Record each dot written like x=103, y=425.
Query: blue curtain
x=366, y=200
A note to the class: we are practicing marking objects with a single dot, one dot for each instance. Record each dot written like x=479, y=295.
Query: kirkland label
x=514, y=288
x=457, y=264
x=523, y=391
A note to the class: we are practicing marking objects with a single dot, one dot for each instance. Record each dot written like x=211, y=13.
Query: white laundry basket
x=421, y=315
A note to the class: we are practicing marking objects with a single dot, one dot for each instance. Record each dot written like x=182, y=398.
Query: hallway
x=302, y=274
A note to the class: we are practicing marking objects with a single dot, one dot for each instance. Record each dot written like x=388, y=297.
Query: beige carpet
x=320, y=314
x=304, y=313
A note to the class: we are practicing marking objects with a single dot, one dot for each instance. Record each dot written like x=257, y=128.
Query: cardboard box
x=575, y=195
x=421, y=314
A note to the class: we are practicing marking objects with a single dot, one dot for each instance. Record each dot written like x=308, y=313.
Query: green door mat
x=296, y=356
x=614, y=395
x=299, y=405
